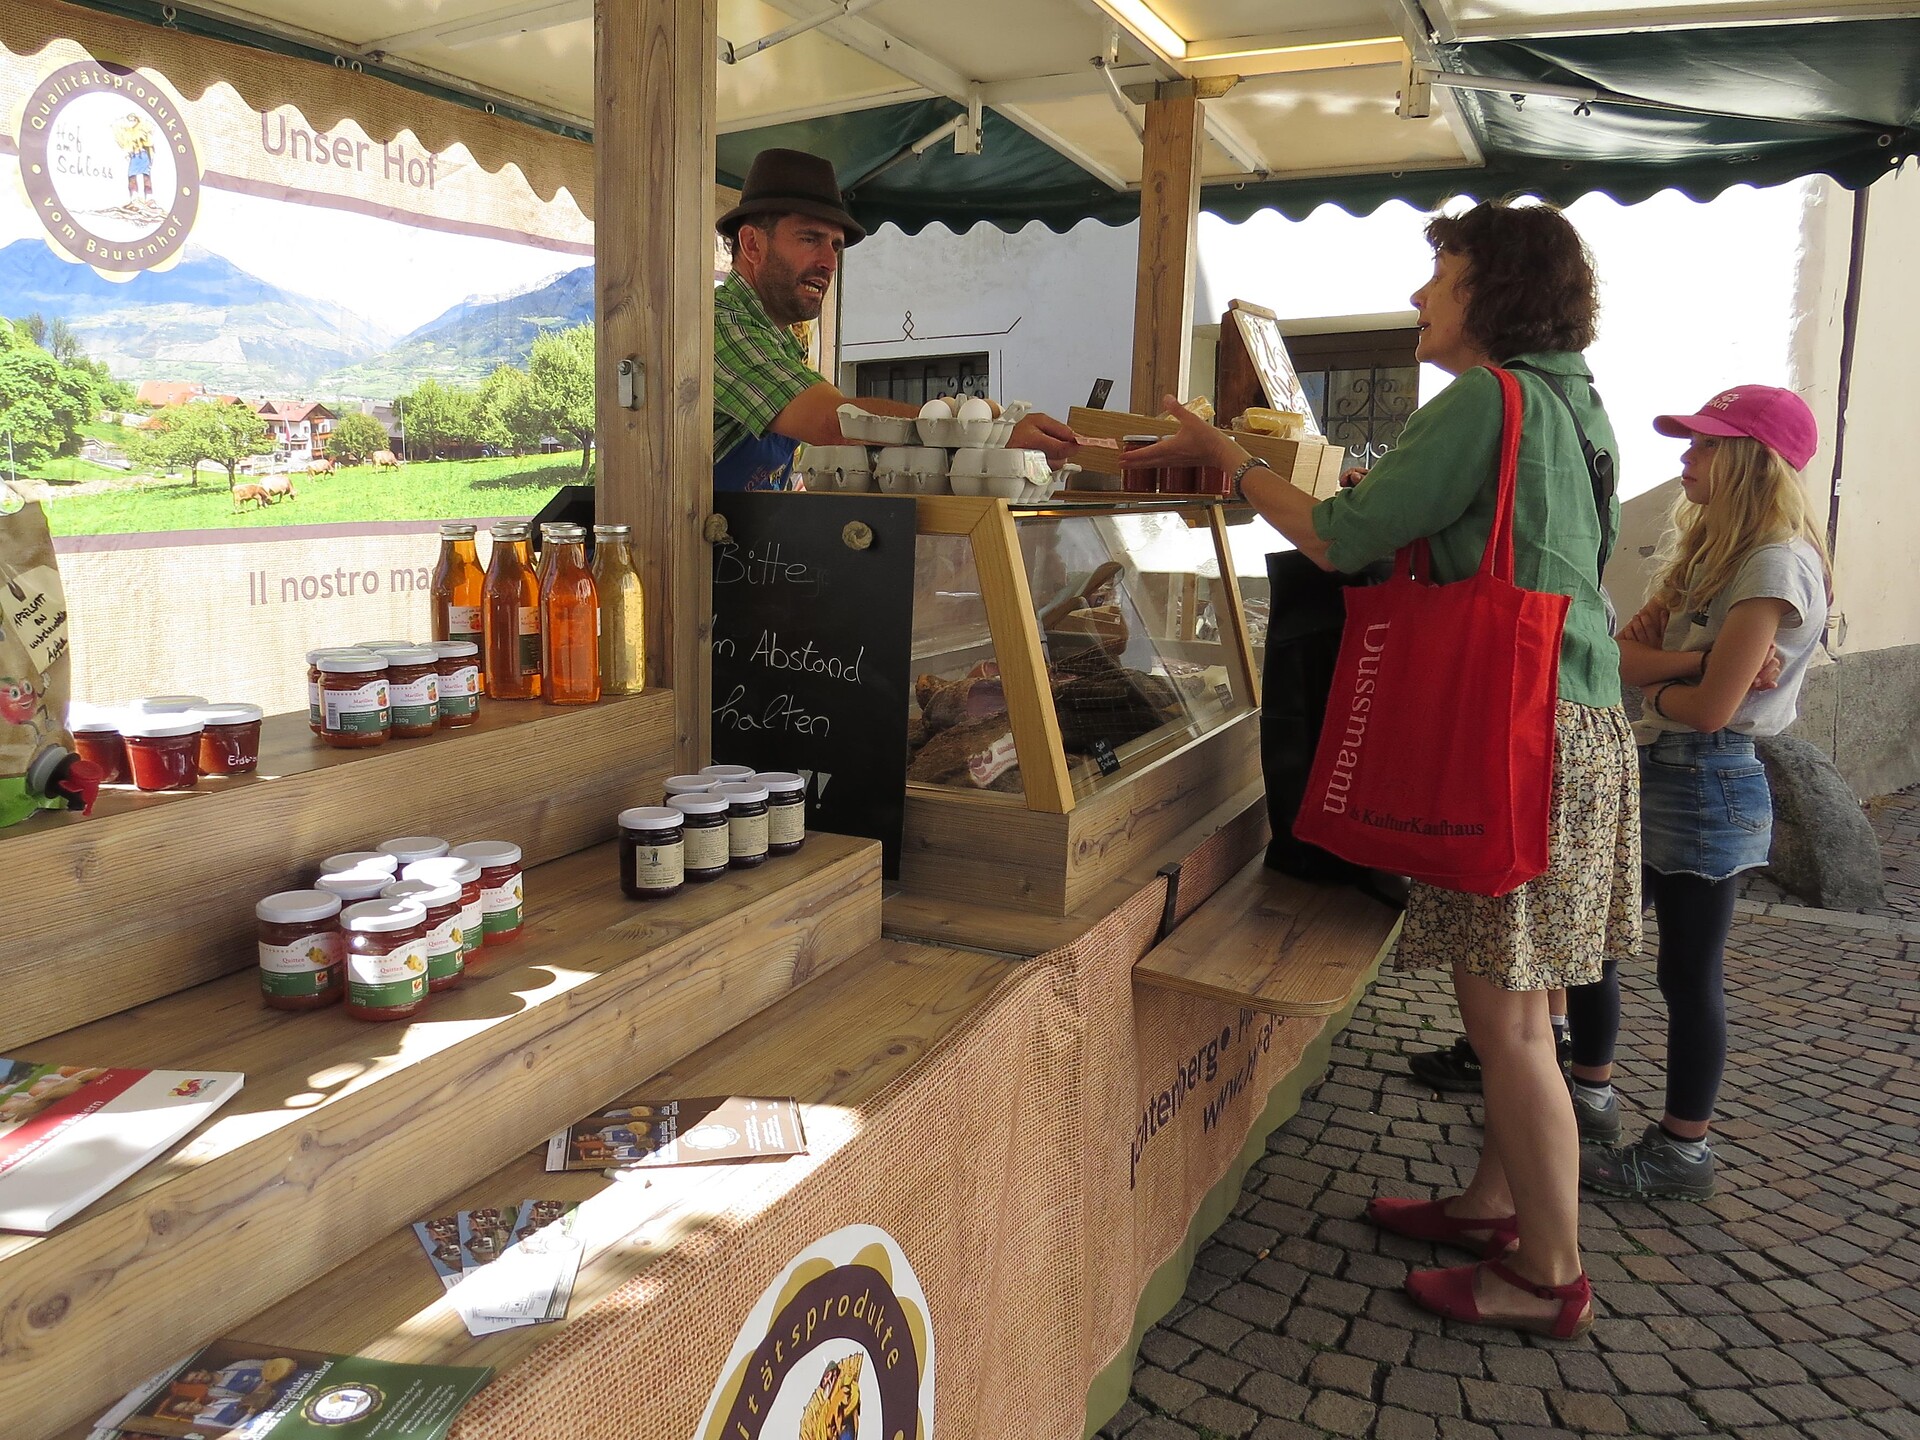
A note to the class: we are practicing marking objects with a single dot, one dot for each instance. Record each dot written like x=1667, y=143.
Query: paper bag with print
x=34, y=663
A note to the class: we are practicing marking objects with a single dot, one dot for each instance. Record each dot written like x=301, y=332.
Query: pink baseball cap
x=1778, y=419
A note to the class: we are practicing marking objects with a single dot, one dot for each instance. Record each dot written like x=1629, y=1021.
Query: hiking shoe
x=1599, y=1124
x=1652, y=1168
x=1456, y=1068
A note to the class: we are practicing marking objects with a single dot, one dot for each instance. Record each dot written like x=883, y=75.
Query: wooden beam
x=1169, y=215
x=654, y=67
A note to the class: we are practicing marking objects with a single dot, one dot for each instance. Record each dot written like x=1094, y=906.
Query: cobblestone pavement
x=1786, y=1306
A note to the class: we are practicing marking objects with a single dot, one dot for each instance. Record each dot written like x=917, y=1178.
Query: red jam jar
x=413, y=690
x=405, y=849
x=354, y=705
x=230, y=743
x=1146, y=479
x=163, y=751
x=502, y=905
x=356, y=874
x=100, y=742
x=446, y=957
x=386, y=958
x=316, y=716
x=465, y=874
x=167, y=704
x=458, y=662
x=303, y=961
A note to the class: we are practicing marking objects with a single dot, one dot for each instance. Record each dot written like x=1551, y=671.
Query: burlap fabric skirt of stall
x=1557, y=930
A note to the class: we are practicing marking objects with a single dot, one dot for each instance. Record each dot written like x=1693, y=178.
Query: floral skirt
x=1556, y=930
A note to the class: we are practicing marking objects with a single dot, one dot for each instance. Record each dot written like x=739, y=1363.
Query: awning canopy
x=1011, y=111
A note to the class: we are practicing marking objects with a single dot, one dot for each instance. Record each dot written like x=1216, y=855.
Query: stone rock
x=1824, y=850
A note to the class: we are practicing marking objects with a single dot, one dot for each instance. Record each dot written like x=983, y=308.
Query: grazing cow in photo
x=384, y=460
x=323, y=466
x=243, y=495
x=278, y=488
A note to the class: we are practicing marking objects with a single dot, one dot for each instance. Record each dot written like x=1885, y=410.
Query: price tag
x=1104, y=757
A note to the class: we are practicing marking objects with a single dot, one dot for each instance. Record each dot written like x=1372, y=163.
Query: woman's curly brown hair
x=1530, y=281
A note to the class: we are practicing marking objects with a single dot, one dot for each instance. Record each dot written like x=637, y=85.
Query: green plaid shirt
x=758, y=367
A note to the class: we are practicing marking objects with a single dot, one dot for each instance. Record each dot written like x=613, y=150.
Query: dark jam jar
x=446, y=959
x=652, y=851
x=303, y=959
x=786, y=810
x=386, y=958
x=705, y=834
x=746, y=824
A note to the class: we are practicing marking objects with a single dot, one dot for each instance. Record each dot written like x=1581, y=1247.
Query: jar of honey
x=413, y=691
x=163, y=750
x=386, y=958
x=457, y=580
x=569, y=619
x=229, y=739
x=458, y=662
x=446, y=956
x=354, y=707
x=502, y=901
x=466, y=874
x=302, y=953
x=510, y=616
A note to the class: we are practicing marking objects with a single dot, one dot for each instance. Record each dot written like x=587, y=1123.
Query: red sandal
x=1450, y=1293
x=1428, y=1220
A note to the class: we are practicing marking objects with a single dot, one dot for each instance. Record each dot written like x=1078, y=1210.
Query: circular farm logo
x=109, y=167
x=343, y=1404
x=838, y=1347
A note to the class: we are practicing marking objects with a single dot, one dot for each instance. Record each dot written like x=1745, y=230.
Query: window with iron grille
x=921, y=378
x=1362, y=384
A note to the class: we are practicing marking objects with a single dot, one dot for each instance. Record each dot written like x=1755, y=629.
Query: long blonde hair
x=1755, y=498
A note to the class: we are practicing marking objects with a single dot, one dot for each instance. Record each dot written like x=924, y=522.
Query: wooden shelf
x=1275, y=944
x=347, y=1130
x=154, y=893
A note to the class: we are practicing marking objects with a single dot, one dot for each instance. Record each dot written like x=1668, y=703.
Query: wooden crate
x=1311, y=464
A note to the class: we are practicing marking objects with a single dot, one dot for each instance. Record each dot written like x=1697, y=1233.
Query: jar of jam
x=652, y=851
x=727, y=774
x=502, y=903
x=303, y=957
x=163, y=750
x=354, y=708
x=746, y=824
x=405, y=849
x=230, y=739
x=388, y=865
x=458, y=663
x=316, y=719
x=786, y=810
x=167, y=704
x=100, y=741
x=357, y=882
x=688, y=785
x=704, y=831
x=446, y=956
x=1144, y=479
x=413, y=691
x=386, y=958
x=464, y=873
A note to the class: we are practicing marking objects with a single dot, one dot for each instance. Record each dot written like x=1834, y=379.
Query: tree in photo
x=511, y=417
x=435, y=417
x=185, y=435
x=43, y=403
x=561, y=370
x=355, y=437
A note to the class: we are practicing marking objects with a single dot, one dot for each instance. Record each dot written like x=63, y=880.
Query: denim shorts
x=1705, y=808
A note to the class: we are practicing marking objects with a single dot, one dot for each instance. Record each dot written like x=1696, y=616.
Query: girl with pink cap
x=1737, y=610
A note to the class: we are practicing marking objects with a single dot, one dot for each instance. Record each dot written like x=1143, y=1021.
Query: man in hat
x=785, y=236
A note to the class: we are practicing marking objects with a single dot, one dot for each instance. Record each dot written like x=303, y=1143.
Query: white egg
x=974, y=408
x=935, y=410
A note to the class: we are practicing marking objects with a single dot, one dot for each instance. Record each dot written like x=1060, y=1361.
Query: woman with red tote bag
x=1512, y=287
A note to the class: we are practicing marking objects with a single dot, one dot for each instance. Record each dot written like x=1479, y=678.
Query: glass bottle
x=569, y=618
x=457, y=585
x=623, y=636
x=510, y=616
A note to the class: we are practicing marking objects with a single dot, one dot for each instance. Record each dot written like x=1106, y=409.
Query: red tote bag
x=1436, y=759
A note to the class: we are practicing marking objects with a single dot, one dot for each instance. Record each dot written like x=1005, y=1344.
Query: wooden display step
x=347, y=1130
x=833, y=1045
x=1272, y=943
x=154, y=893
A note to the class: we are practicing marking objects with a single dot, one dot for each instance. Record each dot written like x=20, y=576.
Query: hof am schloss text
x=340, y=583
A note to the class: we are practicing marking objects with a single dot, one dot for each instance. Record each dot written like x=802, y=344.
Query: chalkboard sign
x=812, y=645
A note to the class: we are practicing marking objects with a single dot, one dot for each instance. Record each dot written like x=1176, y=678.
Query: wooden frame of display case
x=1049, y=854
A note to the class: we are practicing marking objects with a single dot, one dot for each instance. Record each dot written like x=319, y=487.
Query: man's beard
x=786, y=303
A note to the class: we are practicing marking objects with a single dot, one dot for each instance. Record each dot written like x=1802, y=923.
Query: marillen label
x=414, y=702
x=358, y=710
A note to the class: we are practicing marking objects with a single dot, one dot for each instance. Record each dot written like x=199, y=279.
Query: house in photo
x=299, y=428
x=159, y=394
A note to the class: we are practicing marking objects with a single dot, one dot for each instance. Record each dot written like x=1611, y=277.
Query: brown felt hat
x=792, y=182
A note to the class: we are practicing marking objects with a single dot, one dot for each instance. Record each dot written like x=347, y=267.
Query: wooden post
x=1169, y=218
x=654, y=69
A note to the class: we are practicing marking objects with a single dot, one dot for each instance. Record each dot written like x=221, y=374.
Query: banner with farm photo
x=300, y=341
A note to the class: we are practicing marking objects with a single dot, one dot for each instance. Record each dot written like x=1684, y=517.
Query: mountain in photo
x=460, y=346
x=205, y=319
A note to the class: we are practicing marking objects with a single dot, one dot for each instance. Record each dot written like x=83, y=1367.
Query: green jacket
x=1439, y=481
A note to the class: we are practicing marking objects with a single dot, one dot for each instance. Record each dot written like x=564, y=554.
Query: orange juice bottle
x=510, y=616
x=457, y=583
x=569, y=618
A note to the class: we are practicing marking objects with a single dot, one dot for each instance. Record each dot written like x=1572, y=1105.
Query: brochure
x=645, y=1134
x=70, y=1133
x=236, y=1390
x=506, y=1266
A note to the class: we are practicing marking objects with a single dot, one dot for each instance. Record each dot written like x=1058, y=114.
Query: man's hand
x=1053, y=438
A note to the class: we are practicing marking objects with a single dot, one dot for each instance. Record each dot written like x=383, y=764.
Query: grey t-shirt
x=1788, y=571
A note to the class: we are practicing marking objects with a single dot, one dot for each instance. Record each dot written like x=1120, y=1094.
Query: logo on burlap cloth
x=838, y=1347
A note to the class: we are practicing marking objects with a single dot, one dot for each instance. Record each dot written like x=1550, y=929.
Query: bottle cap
x=408, y=848
x=490, y=854
x=447, y=867
x=650, y=817
x=704, y=802
x=291, y=907
x=427, y=892
x=383, y=914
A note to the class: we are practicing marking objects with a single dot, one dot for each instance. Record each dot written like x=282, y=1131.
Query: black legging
x=1694, y=916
